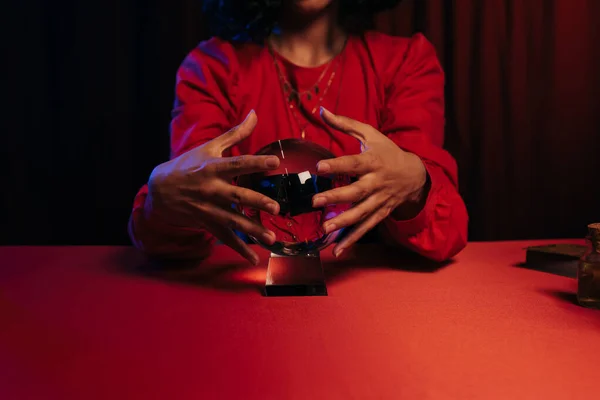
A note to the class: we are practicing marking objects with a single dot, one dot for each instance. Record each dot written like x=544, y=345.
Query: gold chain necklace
x=292, y=95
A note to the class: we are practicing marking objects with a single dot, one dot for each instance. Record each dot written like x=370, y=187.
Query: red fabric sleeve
x=413, y=117
x=203, y=109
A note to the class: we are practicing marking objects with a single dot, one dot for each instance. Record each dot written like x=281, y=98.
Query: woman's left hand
x=390, y=181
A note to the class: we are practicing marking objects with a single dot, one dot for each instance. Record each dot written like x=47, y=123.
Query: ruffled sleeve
x=204, y=108
x=413, y=117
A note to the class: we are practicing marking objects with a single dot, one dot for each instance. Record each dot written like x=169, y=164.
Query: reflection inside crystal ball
x=298, y=227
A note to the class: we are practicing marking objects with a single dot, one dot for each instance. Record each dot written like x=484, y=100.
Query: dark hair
x=244, y=20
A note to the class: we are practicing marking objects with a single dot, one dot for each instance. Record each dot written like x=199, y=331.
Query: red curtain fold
x=523, y=116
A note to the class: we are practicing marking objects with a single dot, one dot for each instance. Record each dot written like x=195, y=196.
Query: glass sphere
x=298, y=227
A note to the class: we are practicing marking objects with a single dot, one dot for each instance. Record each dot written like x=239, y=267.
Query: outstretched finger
x=356, y=214
x=356, y=164
x=360, y=230
x=353, y=193
x=229, y=238
x=231, y=167
x=236, y=134
x=361, y=131
x=228, y=194
x=238, y=222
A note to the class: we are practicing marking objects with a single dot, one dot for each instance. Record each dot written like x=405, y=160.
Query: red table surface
x=85, y=323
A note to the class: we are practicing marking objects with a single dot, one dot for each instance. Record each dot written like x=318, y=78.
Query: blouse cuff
x=415, y=225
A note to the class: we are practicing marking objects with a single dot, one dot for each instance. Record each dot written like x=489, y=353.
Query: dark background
x=90, y=86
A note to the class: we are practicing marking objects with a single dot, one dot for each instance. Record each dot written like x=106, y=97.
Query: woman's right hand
x=196, y=190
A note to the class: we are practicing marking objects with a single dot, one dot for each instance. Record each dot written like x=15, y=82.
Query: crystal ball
x=298, y=227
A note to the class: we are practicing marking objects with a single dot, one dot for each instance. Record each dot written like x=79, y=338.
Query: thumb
x=354, y=128
x=237, y=133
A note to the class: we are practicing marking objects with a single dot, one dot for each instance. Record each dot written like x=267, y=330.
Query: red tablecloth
x=85, y=323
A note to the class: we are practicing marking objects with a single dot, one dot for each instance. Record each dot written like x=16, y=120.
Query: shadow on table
x=569, y=299
x=237, y=275
x=384, y=257
x=227, y=275
x=562, y=296
x=567, y=269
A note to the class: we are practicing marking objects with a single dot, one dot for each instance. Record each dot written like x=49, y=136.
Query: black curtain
x=89, y=89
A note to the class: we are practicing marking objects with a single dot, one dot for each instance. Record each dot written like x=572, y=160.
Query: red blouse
x=394, y=84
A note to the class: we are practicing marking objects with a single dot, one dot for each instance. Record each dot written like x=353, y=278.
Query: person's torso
x=287, y=98
x=349, y=85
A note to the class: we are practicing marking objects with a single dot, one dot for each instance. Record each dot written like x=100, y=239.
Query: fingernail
x=255, y=260
x=249, y=114
x=323, y=110
x=268, y=237
x=329, y=228
x=323, y=167
x=338, y=252
x=319, y=202
x=272, y=162
x=272, y=207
